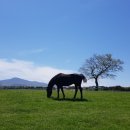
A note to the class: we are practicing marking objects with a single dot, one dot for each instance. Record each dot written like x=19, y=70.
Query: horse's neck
x=51, y=84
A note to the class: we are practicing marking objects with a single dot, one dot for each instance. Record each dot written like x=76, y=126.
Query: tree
x=101, y=66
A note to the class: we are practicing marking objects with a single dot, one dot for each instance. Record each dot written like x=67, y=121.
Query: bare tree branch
x=101, y=66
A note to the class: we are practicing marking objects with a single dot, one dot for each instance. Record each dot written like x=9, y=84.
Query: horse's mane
x=52, y=81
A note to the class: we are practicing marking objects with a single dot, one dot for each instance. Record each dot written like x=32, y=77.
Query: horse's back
x=67, y=79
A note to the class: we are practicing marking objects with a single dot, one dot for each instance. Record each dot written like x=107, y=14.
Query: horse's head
x=49, y=92
x=84, y=78
x=50, y=86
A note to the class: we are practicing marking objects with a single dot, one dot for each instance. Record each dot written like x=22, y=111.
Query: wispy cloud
x=27, y=70
x=36, y=51
x=32, y=51
x=67, y=61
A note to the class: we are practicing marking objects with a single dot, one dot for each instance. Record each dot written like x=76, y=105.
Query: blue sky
x=60, y=34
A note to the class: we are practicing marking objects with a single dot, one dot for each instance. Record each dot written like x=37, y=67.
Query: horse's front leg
x=63, y=92
x=76, y=90
x=80, y=88
x=58, y=90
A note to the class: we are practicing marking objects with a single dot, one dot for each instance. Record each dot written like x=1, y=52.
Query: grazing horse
x=61, y=80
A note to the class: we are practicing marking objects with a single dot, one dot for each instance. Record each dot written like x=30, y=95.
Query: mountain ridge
x=15, y=81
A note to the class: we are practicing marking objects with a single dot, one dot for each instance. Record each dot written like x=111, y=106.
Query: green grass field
x=31, y=110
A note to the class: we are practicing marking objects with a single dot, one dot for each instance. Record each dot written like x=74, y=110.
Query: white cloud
x=30, y=71
x=27, y=70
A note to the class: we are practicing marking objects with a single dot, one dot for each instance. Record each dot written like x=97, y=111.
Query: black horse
x=61, y=80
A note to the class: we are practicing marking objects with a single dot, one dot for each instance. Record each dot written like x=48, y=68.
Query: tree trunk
x=96, y=82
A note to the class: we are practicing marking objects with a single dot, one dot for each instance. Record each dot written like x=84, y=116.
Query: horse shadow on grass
x=71, y=99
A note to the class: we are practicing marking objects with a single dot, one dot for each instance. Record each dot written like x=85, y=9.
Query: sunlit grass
x=31, y=110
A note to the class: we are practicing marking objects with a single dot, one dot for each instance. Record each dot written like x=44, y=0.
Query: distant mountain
x=21, y=82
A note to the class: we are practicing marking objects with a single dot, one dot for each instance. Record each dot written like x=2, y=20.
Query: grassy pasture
x=31, y=110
